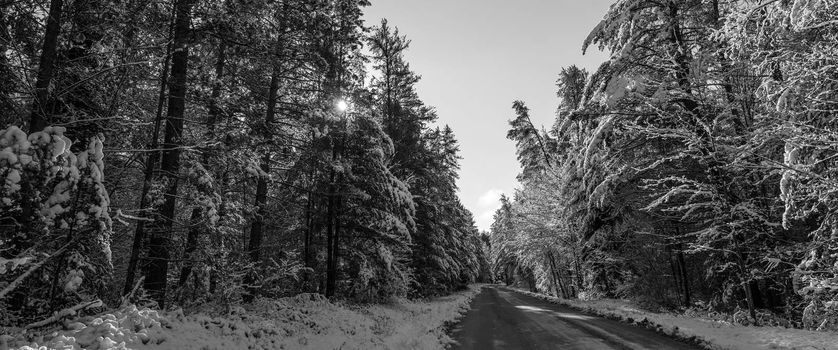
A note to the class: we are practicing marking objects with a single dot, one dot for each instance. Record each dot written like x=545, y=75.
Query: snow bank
x=711, y=334
x=422, y=325
x=110, y=331
x=307, y=321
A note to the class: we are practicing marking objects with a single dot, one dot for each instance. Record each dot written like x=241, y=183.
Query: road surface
x=503, y=319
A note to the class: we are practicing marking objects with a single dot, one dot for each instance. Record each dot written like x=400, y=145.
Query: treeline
x=197, y=151
x=694, y=169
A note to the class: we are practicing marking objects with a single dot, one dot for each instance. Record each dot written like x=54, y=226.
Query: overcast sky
x=475, y=58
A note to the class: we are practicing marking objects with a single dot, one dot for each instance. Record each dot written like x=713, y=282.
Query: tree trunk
x=158, y=267
x=148, y=177
x=257, y=226
x=333, y=228
x=566, y=283
x=675, y=271
x=214, y=110
x=557, y=279
x=79, y=63
x=334, y=213
x=685, y=280
x=330, y=232
x=38, y=120
x=557, y=291
x=746, y=279
x=756, y=294
x=308, y=239
x=333, y=269
x=191, y=246
x=580, y=282
x=750, y=299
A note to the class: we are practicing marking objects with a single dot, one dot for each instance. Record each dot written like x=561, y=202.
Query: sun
x=342, y=106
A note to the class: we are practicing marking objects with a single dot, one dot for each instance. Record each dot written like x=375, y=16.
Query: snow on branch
x=58, y=315
x=31, y=270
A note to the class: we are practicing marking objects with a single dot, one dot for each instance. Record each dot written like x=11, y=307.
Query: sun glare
x=342, y=105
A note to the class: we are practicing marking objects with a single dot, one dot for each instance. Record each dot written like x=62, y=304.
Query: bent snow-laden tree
x=56, y=228
x=700, y=151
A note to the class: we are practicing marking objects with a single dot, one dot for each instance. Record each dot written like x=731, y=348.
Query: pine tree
x=444, y=256
x=376, y=217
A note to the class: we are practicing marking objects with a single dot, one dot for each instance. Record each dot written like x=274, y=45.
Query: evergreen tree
x=444, y=255
x=56, y=225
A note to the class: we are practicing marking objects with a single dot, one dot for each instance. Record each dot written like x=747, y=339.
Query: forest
x=694, y=170
x=191, y=152
x=194, y=154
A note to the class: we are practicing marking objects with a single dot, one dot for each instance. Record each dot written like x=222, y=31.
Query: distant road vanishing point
x=501, y=318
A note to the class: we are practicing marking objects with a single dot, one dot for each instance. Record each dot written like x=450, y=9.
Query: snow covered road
x=503, y=319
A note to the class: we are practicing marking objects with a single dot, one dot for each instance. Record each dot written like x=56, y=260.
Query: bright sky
x=475, y=58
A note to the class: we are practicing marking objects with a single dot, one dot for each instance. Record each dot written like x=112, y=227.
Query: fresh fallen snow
x=711, y=334
x=307, y=321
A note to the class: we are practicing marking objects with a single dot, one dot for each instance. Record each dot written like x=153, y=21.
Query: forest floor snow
x=711, y=334
x=306, y=321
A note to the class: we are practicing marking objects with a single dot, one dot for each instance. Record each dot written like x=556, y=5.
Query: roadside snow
x=710, y=334
x=307, y=321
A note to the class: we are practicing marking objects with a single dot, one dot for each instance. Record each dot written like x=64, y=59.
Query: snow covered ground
x=307, y=321
x=711, y=334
